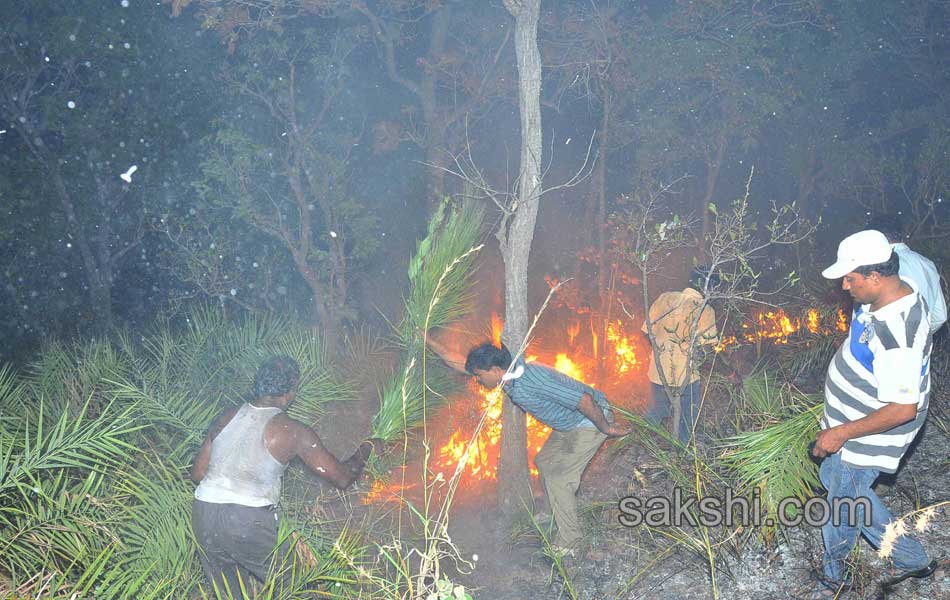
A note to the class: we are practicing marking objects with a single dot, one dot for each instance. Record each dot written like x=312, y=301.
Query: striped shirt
x=552, y=397
x=885, y=359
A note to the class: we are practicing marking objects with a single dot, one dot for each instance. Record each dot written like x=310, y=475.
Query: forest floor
x=626, y=563
x=622, y=563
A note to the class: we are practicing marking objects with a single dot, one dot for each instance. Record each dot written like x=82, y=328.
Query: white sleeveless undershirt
x=241, y=469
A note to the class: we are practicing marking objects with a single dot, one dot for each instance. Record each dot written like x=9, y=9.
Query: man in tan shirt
x=680, y=321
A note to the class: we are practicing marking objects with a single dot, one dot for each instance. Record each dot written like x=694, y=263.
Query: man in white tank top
x=239, y=469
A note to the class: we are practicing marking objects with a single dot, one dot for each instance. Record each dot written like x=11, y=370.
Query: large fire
x=622, y=366
x=621, y=358
x=482, y=461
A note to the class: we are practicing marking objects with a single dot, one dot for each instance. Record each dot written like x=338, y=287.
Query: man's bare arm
x=453, y=360
x=831, y=440
x=592, y=411
x=287, y=438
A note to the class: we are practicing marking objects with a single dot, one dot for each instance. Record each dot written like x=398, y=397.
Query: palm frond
x=48, y=521
x=440, y=275
x=435, y=273
x=405, y=400
x=78, y=442
x=770, y=457
x=153, y=514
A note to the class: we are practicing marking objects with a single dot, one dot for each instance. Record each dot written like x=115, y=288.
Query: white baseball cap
x=868, y=247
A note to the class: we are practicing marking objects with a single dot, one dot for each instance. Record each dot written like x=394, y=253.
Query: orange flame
x=624, y=354
x=572, y=330
x=497, y=325
x=842, y=323
x=777, y=326
x=481, y=459
x=565, y=365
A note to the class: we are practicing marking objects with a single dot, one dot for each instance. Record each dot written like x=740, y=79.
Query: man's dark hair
x=698, y=279
x=885, y=269
x=277, y=376
x=889, y=225
x=486, y=356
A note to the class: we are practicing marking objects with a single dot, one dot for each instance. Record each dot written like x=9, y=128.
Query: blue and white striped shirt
x=552, y=397
x=885, y=359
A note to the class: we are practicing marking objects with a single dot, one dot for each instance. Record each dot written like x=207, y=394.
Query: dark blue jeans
x=689, y=402
x=845, y=481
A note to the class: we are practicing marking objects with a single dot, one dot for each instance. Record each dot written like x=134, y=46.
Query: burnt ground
x=630, y=564
x=636, y=563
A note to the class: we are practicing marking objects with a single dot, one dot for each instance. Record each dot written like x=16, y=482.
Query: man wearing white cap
x=876, y=399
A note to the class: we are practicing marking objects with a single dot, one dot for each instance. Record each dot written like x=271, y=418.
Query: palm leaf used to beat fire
x=452, y=233
x=405, y=400
x=770, y=456
x=440, y=276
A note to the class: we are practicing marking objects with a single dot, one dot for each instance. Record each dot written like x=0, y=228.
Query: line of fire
x=572, y=346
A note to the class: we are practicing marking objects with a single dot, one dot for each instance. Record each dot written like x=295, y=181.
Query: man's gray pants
x=561, y=462
x=239, y=542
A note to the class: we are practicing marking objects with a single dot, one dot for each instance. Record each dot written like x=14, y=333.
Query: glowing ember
x=382, y=492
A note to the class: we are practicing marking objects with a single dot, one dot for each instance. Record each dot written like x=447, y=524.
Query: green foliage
x=437, y=281
x=94, y=438
x=405, y=402
x=769, y=456
x=276, y=200
x=87, y=95
x=440, y=276
x=152, y=517
x=446, y=590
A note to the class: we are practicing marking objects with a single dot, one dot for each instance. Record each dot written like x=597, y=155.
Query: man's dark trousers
x=239, y=541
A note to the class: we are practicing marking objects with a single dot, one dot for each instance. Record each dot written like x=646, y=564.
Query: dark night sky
x=840, y=104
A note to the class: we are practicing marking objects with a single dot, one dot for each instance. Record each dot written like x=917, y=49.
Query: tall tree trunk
x=435, y=164
x=432, y=116
x=600, y=224
x=513, y=476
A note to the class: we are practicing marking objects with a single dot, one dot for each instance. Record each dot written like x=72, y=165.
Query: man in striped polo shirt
x=876, y=398
x=579, y=415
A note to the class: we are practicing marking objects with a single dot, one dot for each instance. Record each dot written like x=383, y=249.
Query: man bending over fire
x=579, y=415
x=239, y=468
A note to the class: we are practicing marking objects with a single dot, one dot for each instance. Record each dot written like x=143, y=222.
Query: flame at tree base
x=481, y=462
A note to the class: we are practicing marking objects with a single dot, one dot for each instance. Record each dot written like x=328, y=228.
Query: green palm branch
x=440, y=276
x=770, y=456
x=153, y=520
